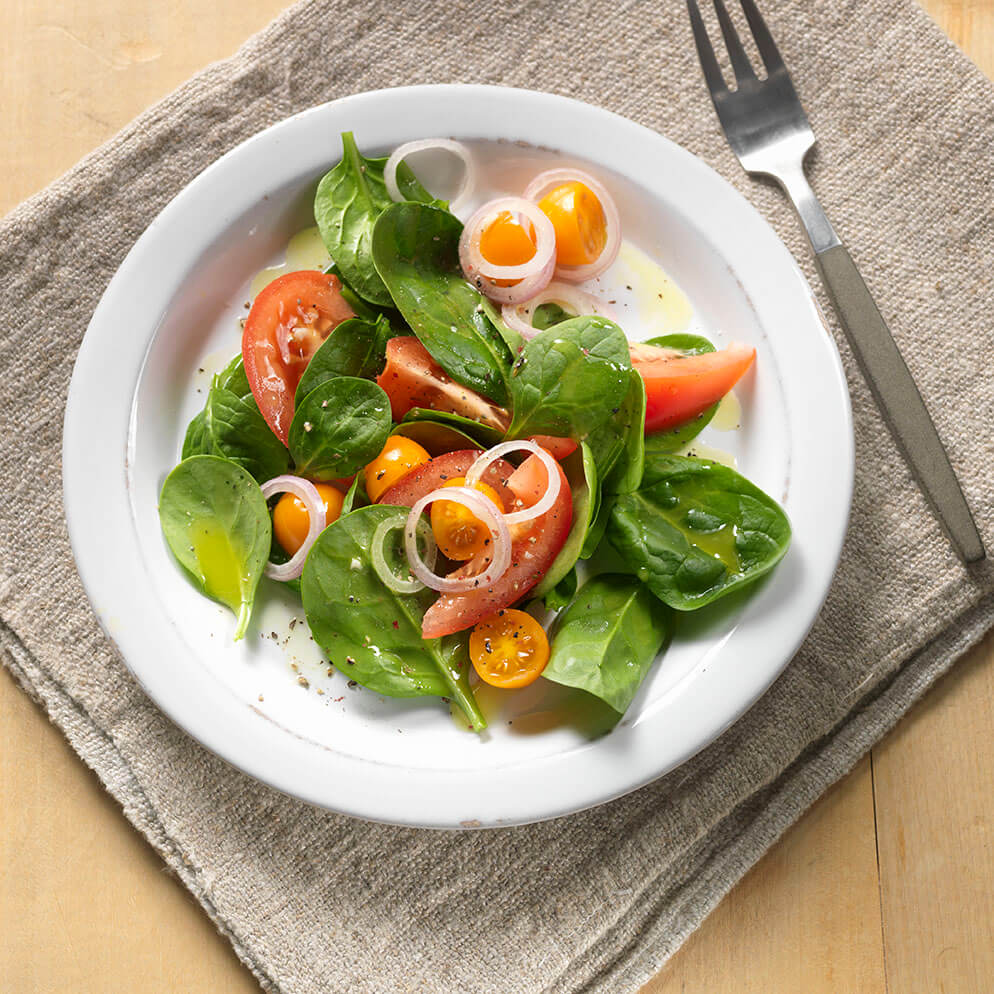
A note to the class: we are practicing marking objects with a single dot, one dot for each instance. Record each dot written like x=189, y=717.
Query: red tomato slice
x=438, y=471
x=534, y=547
x=679, y=387
x=290, y=318
x=412, y=378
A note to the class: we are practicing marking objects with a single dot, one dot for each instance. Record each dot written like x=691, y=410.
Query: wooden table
x=887, y=884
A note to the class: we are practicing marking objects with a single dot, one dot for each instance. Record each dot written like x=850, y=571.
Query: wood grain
x=86, y=905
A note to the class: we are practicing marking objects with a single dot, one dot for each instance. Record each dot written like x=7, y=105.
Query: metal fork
x=768, y=130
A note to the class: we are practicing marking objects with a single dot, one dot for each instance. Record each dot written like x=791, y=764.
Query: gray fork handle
x=886, y=372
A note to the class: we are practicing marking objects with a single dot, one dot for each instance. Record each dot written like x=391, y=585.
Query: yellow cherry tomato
x=578, y=217
x=459, y=533
x=504, y=242
x=291, y=522
x=509, y=649
x=399, y=456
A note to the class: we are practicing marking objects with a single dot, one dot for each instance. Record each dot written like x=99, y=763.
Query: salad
x=455, y=456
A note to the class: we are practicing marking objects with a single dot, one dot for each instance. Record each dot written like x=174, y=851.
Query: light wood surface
x=887, y=884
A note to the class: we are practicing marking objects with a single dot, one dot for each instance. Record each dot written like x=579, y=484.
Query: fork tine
x=740, y=61
x=764, y=40
x=712, y=71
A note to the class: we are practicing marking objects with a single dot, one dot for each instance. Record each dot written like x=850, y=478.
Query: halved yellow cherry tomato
x=399, y=456
x=291, y=522
x=504, y=242
x=460, y=534
x=509, y=649
x=578, y=217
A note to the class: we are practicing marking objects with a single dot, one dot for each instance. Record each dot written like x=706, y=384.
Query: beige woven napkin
x=595, y=902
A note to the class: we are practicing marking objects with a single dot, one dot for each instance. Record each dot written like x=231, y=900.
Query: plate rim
x=77, y=476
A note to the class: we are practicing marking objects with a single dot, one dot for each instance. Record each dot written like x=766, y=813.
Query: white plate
x=173, y=307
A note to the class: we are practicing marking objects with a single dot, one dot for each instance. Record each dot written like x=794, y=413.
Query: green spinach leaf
x=370, y=632
x=608, y=638
x=217, y=525
x=696, y=530
x=416, y=252
x=341, y=425
x=619, y=444
x=355, y=496
x=233, y=377
x=436, y=437
x=546, y=315
x=582, y=476
x=349, y=199
x=195, y=441
x=484, y=434
x=355, y=348
x=562, y=593
x=235, y=429
x=570, y=379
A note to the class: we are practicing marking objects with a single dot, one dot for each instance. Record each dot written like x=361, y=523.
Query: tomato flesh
x=679, y=387
x=412, y=378
x=534, y=546
x=289, y=320
x=439, y=471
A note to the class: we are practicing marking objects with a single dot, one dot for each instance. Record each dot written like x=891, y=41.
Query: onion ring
x=554, y=177
x=465, y=190
x=308, y=494
x=383, y=571
x=534, y=275
x=482, y=508
x=545, y=502
x=519, y=316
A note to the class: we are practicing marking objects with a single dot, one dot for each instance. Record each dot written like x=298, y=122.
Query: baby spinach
x=435, y=437
x=546, y=315
x=370, y=632
x=355, y=496
x=562, y=593
x=416, y=251
x=348, y=201
x=570, y=379
x=596, y=531
x=608, y=638
x=233, y=377
x=235, y=429
x=217, y=525
x=619, y=444
x=195, y=442
x=672, y=439
x=582, y=476
x=355, y=348
x=484, y=434
x=696, y=530
x=341, y=425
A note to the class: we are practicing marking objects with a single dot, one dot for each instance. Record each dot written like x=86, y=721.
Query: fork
x=768, y=130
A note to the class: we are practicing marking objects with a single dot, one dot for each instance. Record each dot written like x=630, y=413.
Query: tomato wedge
x=679, y=387
x=412, y=378
x=435, y=473
x=534, y=547
x=290, y=318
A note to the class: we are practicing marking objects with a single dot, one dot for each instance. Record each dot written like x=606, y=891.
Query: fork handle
x=885, y=371
x=898, y=398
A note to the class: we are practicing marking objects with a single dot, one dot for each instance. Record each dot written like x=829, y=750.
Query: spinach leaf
x=562, y=593
x=546, y=315
x=195, y=441
x=672, y=439
x=570, y=379
x=484, y=434
x=342, y=424
x=608, y=638
x=619, y=444
x=233, y=377
x=355, y=496
x=696, y=530
x=355, y=348
x=217, y=525
x=370, y=632
x=435, y=437
x=582, y=476
x=235, y=429
x=349, y=199
x=416, y=251
x=595, y=533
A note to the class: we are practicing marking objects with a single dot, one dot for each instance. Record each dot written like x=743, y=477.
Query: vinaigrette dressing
x=663, y=307
x=304, y=251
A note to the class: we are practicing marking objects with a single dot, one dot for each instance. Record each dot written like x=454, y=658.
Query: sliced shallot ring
x=545, y=502
x=383, y=571
x=308, y=493
x=485, y=511
x=554, y=177
x=520, y=317
x=465, y=190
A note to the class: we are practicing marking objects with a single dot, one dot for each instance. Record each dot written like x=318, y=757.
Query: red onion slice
x=571, y=298
x=545, y=502
x=541, y=185
x=485, y=511
x=307, y=493
x=383, y=571
x=465, y=190
x=534, y=275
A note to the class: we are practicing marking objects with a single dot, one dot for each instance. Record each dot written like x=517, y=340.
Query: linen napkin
x=594, y=902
